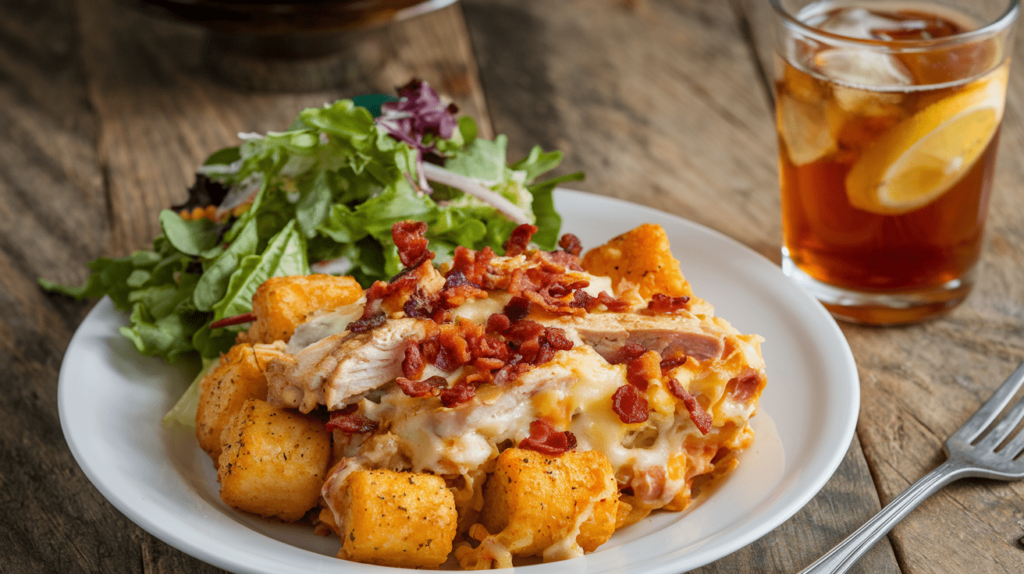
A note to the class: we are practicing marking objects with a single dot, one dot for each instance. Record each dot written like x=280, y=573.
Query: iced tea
x=887, y=154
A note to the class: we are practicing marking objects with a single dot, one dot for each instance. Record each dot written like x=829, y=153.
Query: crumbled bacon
x=454, y=350
x=613, y=304
x=413, y=363
x=461, y=392
x=583, y=300
x=642, y=369
x=427, y=388
x=519, y=240
x=571, y=244
x=744, y=386
x=498, y=323
x=627, y=353
x=369, y=323
x=475, y=266
x=420, y=305
x=700, y=417
x=458, y=289
x=348, y=420
x=563, y=259
x=546, y=440
x=517, y=308
x=661, y=303
x=630, y=404
x=669, y=363
x=510, y=372
x=411, y=242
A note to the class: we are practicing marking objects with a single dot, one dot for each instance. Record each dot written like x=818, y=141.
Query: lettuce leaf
x=329, y=187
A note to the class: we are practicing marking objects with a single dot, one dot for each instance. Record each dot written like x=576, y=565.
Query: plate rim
x=230, y=558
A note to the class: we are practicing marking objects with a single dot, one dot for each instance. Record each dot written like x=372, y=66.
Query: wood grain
x=660, y=103
x=107, y=113
x=161, y=115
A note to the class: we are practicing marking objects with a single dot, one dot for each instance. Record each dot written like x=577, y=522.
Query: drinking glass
x=888, y=117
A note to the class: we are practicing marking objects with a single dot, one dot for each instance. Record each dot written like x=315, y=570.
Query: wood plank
x=660, y=103
x=161, y=115
x=53, y=217
x=106, y=114
x=919, y=383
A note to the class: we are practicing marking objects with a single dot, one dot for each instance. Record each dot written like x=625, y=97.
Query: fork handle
x=843, y=556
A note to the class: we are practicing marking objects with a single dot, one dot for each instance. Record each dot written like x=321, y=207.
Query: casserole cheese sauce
x=657, y=459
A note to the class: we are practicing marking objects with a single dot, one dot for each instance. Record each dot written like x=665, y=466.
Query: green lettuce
x=323, y=193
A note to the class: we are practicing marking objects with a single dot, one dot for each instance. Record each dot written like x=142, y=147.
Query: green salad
x=321, y=197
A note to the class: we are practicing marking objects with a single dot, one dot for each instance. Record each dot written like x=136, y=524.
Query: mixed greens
x=321, y=197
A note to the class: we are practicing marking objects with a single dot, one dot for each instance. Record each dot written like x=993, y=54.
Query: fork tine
x=1013, y=448
x=991, y=409
x=1003, y=429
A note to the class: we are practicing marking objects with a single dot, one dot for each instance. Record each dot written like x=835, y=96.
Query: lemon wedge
x=925, y=155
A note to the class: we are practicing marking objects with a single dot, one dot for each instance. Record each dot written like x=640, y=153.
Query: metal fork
x=966, y=458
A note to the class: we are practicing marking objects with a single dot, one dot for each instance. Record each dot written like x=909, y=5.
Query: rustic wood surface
x=107, y=112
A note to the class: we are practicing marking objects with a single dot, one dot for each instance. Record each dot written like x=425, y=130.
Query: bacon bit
x=700, y=417
x=475, y=266
x=430, y=347
x=613, y=304
x=560, y=290
x=430, y=387
x=519, y=240
x=546, y=440
x=236, y=320
x=369, y=323
x=413, y=363
x=454, y=351
x=488, y=363
x=642, y=369
x=627, y=353
x=571, y=244
x=563, y=259
x=672, y=362
x=557, y=339
x=458, y=289
x=661, y=303
x=460, y=393
x=744, y=386
x=420, y=305
x=349, y=421
x=583, y=300
x=510, y=372
x=517, y=309
x=630, y=404
x=411, y=242
x=498, y=323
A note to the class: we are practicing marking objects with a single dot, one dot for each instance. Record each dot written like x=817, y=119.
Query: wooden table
x=106, y=113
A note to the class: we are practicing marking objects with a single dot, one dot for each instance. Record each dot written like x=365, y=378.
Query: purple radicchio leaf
x=418, y=112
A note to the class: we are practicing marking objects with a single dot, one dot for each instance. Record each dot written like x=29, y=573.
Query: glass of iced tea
x=888, y=116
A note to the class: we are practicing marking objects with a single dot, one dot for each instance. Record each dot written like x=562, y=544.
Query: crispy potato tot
x=239, y=376
x=400, y=519
x=283, y=303
x=640, y=257
x=273, y=461
x=545, y=500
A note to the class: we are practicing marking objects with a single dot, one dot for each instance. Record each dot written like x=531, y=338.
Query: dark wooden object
x=106, y=113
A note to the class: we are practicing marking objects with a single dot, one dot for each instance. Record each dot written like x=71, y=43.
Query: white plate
x=111, y=401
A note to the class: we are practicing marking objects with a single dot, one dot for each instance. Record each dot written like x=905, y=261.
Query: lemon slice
x=925, y=155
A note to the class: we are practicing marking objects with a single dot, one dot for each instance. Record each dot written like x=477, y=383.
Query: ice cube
x=867, y=102
x=862, y=68
x=806, y=130
x=863, y=24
